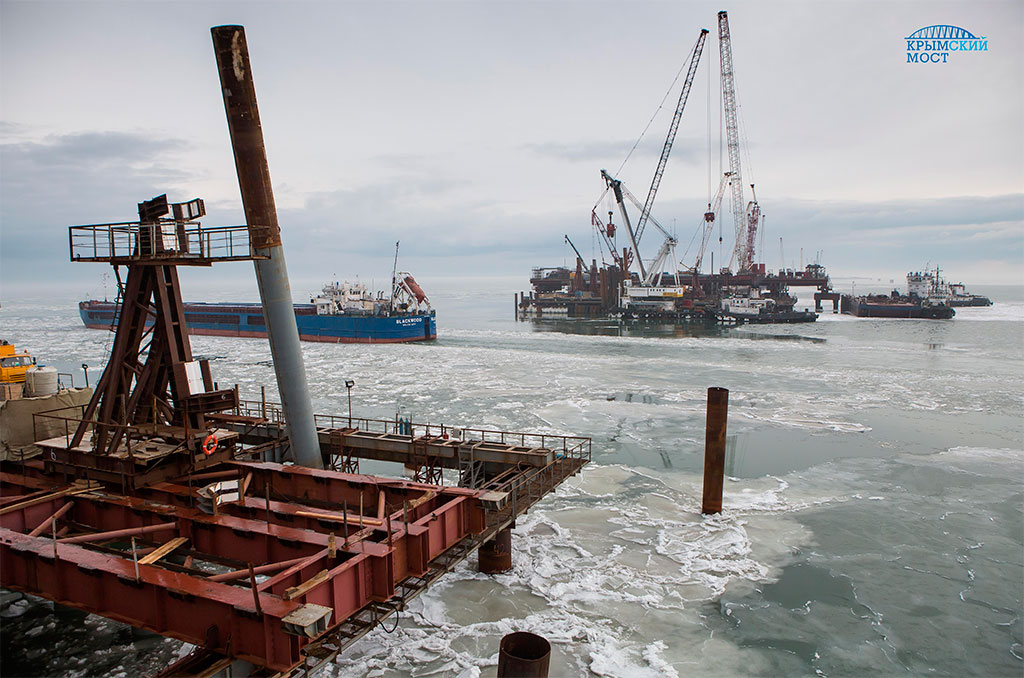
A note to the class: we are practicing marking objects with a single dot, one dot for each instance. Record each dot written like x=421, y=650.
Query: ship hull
x=858, y=306
x=246, y=320
x=973, y=301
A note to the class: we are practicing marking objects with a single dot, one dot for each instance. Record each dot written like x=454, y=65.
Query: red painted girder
x=188, y=608
x=220, y=616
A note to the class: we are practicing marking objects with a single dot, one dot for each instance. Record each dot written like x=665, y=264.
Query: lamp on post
x=85, y=368
x=349, y=384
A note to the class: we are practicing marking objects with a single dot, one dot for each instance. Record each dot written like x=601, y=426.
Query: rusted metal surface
x=523, y=655
x=246, y=135
x=243, y=118
x=450, y=447
x=193, y=245
x=137, y=461
x=89, y=572
x=390, y=539
x=151, y=379
x=714, y=450
x=495, y=556
x=400, y=448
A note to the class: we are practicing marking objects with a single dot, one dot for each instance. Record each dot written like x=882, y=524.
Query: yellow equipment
x=14, y=365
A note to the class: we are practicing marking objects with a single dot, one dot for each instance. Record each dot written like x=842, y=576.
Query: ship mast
x=394, y=277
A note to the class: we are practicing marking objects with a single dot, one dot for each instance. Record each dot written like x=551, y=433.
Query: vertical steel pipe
x=523, y=655
x=714, y=449
x=265, y=234
x=495, y=556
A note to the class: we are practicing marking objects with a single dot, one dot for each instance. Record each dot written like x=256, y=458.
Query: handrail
x=165, y=240
x=577, y=447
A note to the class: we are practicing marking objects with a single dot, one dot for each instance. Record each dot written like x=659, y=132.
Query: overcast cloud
x=475, y=132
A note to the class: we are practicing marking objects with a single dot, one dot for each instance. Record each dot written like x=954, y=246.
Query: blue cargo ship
x=343, y=313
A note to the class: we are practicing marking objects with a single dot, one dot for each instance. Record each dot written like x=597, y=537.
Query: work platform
x=275, y=564
x=166, y=241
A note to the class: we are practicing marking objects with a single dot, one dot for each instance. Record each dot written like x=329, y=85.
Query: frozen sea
x=874, y=505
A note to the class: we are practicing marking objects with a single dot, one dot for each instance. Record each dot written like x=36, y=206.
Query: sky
x=475, y=132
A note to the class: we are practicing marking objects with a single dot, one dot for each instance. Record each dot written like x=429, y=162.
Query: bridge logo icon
x=933, y=44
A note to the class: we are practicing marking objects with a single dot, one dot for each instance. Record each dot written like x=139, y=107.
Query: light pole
x=85, y=368
x=349, y=384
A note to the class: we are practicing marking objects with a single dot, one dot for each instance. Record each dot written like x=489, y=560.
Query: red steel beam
x=227, y=618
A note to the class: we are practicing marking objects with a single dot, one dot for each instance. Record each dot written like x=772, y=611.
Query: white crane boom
x=709, y=220
x=732, y=135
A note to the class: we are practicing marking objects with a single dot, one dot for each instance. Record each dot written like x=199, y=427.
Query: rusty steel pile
x=166, y=503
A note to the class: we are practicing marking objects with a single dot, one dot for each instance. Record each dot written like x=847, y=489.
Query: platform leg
x=523, y=655
x=495, y=556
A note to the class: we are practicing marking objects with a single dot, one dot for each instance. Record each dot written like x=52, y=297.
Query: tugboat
x=958, y=296
x=756, y=308
x=930, y=285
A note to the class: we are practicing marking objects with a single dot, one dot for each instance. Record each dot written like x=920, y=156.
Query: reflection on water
x=612, y=327
x=646, y=329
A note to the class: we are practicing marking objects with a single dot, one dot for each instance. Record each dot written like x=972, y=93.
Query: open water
x=874, y=509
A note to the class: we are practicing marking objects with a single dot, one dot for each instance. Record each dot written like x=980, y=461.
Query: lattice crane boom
x=617, y=188
x=698, y=48
x=753, y=223
x=709, y=220
x=732, y=134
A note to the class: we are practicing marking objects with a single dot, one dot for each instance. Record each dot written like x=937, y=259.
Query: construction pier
x=244, y=527
x=281, y=566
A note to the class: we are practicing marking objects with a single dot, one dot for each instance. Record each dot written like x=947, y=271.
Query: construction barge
x=709, y=297
x=629, y=286
x=245, y=527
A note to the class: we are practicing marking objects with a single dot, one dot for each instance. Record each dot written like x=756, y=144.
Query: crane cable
x=668, y=93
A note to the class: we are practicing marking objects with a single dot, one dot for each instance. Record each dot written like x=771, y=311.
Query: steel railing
x=575, y=447
x=164, y=240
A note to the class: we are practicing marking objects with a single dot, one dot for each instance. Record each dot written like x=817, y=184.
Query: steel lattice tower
x=732, y=135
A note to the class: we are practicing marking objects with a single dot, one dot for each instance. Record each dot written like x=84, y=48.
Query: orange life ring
x=210, y=445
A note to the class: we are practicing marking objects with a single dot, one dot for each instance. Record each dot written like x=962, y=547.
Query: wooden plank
x=338, y=518
x=65, y=492
x=243, y=487
x=410, y=505
x=303, y=588
x=162, y=551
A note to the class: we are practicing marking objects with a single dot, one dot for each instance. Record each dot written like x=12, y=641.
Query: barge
x=894, y=306
x=343, y=313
